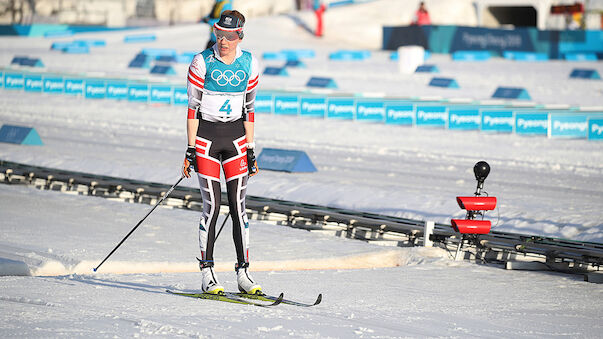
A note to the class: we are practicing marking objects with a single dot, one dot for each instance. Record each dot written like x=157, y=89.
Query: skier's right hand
x=190, y=162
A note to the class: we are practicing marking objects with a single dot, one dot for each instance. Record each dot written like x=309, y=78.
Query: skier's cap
x=229, y=22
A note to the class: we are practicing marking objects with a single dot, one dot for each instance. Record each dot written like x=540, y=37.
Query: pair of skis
x=261, y=299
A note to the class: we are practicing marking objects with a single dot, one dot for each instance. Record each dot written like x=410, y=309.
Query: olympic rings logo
x=228, y=77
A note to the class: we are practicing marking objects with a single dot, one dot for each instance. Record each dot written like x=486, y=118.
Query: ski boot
x=209, y=281
x=245, y=281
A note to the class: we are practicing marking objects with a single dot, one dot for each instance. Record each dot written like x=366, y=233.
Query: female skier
x=222, y=83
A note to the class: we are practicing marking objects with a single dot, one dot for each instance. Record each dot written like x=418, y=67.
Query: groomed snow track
x=551, y=253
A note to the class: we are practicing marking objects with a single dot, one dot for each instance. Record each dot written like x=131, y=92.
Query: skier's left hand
x=190, y=162
x=252, y=164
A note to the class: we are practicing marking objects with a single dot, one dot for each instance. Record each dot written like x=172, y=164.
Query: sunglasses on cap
x=230, y=35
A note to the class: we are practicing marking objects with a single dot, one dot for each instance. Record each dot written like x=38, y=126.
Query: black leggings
x=222, y=145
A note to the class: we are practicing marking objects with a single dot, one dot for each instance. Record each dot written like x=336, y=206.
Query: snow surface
x=547, y=187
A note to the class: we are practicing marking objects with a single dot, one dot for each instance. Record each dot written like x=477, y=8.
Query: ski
x=265, y=297
x=229, y=297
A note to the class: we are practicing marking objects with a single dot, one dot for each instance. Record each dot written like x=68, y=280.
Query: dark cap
x=229, y=22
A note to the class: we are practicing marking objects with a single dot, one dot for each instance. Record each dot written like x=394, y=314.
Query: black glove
x=190, y=162
x=252, y=164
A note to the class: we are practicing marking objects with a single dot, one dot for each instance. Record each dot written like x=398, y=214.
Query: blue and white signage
x=464, y=118
x=286, y=104
x=161, y=94
x=399, y=113
x=313, y=107
x=74, y=86
x=14, y=81
x=117, y=90
x=433, y=116
x=498, y=121
x=370, y=111
x=263, y=102
x=95, y=89
x=138, y=92
x=595, y=129
x=568, y=126
x=53, y=85
x=531, y=123
x=341, y=108
x=180, y=96
x=33, y=83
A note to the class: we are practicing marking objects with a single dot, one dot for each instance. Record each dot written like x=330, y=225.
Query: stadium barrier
x=276, y=71
x=511, y=93
x=471, y=56
x=577, y=56
x=284, y=160
x=498, y=117
x=20, y=135
x=580, y=73
x=444, y=82
x=525, y=56
x=427, y=69
x=347, y=55
x=136, y=38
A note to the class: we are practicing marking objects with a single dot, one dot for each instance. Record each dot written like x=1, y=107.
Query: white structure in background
x=409, y=58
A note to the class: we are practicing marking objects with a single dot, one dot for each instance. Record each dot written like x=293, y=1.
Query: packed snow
x=50, y=241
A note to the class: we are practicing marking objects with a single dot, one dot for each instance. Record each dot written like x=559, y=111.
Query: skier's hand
x=190, y=162
x=252, y=164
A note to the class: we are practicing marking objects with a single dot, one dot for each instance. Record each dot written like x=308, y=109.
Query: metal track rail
x=396, y=231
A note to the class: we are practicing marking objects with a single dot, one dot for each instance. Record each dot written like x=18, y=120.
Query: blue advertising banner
x=117, y=90
x=595, y=129
x=74, y=86
x=161, y=94
x=370, y=110
x=53, y=85
x=399, y=113
x=498, y=121
x=1, y=79
x=33, y=83
x=313, y=107
x=464, y=118
x=285, y=160
x=263, y=102
x=138, y=92
x=433, y=116
x=532, y=123
x=341, y=108
x=13, y=81
x=180, y=96
x=286, y=104
x=95, y=89
x=568, y=126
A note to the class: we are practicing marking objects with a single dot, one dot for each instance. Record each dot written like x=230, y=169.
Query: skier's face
x=226, y=47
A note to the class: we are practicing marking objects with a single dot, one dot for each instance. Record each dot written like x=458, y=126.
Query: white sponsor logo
x=33, y=83
x=522, y=123
x=422, y=115
x=278, y=159
x=394, y=114
x=10, y=81
x=371, y=110
x=338, y=109
x=286, y=104
x=74, y=86
x=263, y=103
x=310, y=107
x=565, y=126
x=489, y=40
x=138, y=93
x=464, y=119
x=95, y=90
x=596, y=129
x=160, y=94
x=180, y=96
x=113, y=90
x=493, y=121
x=53, y=85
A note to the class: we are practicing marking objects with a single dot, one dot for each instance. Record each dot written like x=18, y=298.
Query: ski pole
x=140, y=222
x=224, y=223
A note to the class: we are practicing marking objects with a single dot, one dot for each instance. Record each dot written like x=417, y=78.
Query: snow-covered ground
x=544, y=186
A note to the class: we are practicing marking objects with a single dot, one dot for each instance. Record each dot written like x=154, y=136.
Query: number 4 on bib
x=226, y=107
